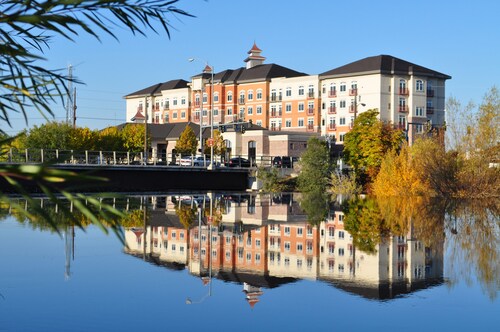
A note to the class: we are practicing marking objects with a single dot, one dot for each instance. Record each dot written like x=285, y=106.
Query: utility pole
x=74, y=109
x=69, y=100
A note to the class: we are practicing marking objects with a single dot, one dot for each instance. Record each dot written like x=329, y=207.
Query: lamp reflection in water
x=206, y=280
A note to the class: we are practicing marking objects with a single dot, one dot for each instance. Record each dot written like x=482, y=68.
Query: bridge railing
x=56, y=156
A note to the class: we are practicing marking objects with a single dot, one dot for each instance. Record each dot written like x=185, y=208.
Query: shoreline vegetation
x=459, y=160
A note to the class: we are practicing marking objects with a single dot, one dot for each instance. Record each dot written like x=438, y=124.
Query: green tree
x=26, y=31
x=367, y=143
x=315, y=167
x=187, y=142
x=51, y=135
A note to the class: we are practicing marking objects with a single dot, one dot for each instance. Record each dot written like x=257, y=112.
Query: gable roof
x=158, y=87
x=382, y=64
x=256, y=73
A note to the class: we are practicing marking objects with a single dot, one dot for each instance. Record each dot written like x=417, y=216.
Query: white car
x=196, y=161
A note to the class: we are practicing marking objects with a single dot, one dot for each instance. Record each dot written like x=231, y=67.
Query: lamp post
x=210, y=166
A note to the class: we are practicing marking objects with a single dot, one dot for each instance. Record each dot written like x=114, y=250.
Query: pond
x=247, y=262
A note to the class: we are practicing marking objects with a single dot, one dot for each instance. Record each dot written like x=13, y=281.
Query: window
x=228, y=255
x=288, y=108
x=204, y=112
x=259, y=110
x=309, y=231
x=229, y=111
x=331, y=232
x=301, y=90
x=250, y=94
x=299, y=263
x=257, y=258
x=342, y=121
x=299, y=247
x=342, y=104
x=309, y=246
x=259, y=123
x=175, y=101
x=331, y=248
x=341, y=268
x=174, y=235
x=288, y=123
x=341, y=137
x=419, y=111
x=181, y=249
x=250, y=110
x=419, y=86
x=174, y=247
x=183, y=101
x=259, y=94
x=300, y=122
x=249, y=257
x=240, y=253
x=216, y=97
x=216, y=112
x=229, y=96
x=287, y=246
x=300, y=231
x=310, y=92
x=181, y=235
x=342, y=87
x=287, y=230
x=288, y=91
x=205, y=98
x=183, y=114
x=341, y=234
x=341, y=251
x=257, y=243
x=301, y=107
x=242, y=97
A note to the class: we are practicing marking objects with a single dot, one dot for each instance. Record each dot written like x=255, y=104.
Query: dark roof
x=158, y=87
x=257, y=73
x=383, y=64
x=169, y=131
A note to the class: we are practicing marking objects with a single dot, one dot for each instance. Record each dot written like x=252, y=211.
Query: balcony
x=275, y=114
x=352, y=108
x=275, y=128
x=351, y=125
x=332, y=93
x=332, y=126
x=157, y=108
x=403, y=109
x=332, y=110
x=166, y=107
x=353, y=92
x=430, y=110
x=241, y=101
x=310, y=111
x=275, y=98
x=403, y=92
x=430, y=93
x=310, y=127
x=310, y=95
x=196, y=117
x=197, y=103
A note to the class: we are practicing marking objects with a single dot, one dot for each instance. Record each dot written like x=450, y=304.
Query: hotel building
x=277, y=98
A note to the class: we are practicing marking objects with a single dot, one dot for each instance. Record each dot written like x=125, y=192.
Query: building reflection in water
x=264, y=241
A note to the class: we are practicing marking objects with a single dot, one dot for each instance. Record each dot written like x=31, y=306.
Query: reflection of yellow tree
x=186, y=214
x=421, y=215
x=218, y=209
x=473, y=243
x=134, y=218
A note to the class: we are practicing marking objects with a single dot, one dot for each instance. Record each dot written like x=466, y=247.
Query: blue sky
x=458, y=38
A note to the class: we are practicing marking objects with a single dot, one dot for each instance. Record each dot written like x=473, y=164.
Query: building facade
x=407, y=95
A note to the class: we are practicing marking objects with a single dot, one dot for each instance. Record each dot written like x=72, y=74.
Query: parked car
x=286, y=162
x=282, y=162
x=238, y=162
